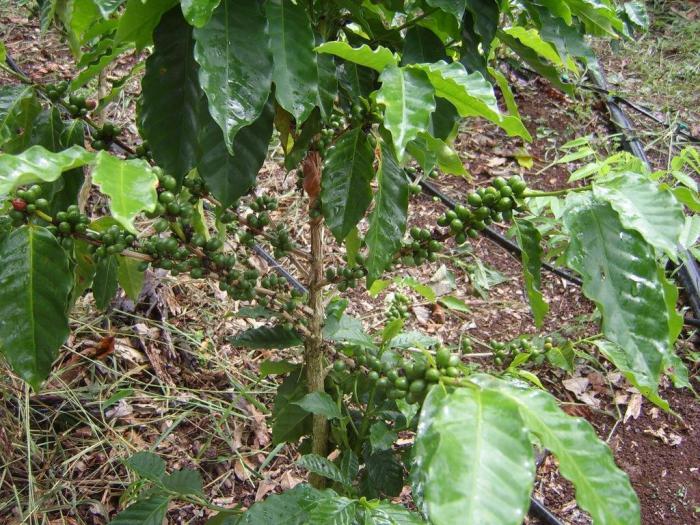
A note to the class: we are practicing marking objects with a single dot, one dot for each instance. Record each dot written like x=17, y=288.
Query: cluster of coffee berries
x=77, y=105
x=274, y=282
x=169, y=204
x=260, y=216
x=70, y=221
x=346, y=277
x=143, y=150
x=105, y=135
x=420, y=247
x=113, y=240
x=56, y=91
x=398, y=307
x=486, y=205
x=280, y=241
x=26, y=203
x=518, y=346
x=465, y=345
x=408, y=379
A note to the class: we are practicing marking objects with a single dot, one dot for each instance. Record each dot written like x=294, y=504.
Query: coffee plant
x=363, y=98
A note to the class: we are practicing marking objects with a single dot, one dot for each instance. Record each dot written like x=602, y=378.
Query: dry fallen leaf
x=634, y=407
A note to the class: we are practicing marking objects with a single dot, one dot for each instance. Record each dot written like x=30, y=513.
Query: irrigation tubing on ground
x=279, y=268
x=638, y=108
x=688, y=272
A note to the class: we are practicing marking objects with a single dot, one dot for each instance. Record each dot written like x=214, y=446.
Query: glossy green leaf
x=347, y=330
x=532, y=39
x=228, y=176
x=105, y=284
x=620, y=275
x=561, y=356
x=37, y=164
x=643, y=206
x=408, y=100
x=94, y=68
x=270, y=367
x=599, y=17
x=107, y=7
x=636, y=11
x=529, y=239
x=454, y=7
x=294, y=61
x=385, y=513
x=430, y=152
x=129, y=184
x=422, y=45
x=558, y=8
x=171, y=82
x=568, y=41
x=198, y=12
x=290, y=508
x=149, y=511
x=65, y=190
x=384, y=474
x=471, y=95
x=356, y=81
x=453, y=303
x=290, y=421
x=378, y=59
x=485, y=19
x=276, y=336
x=320, y=403
x=675, y=320
x=618, y=357
x=533, y=59
x=139, y=19
x=130, y=277
x=233, y=51
x=84, y=269
x=184, y=482
x=443, y=24
x=323, y=467
x=349, y=465
x=387, y=223
x=147, y=465
x=602, y=489
x=18, y=107
x=309, y=130
x=35, y=286
x=327, y=91
x=381, y=437
x=334, y=511
x=77, y=17
x=473, y=462
x=345, y=184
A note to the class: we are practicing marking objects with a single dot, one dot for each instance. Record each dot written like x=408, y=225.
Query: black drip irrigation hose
x=688, y=272
x=279, y=269
x=496, y=237
x=638, y=108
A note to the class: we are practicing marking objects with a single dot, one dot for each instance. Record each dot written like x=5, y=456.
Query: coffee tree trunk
x=313, y=357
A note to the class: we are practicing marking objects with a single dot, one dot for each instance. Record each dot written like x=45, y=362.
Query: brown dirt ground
x=661, y=454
